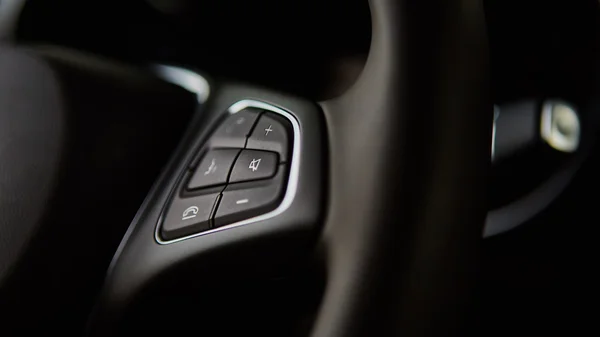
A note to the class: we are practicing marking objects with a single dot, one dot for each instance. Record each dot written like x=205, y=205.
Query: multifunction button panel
x=241, y=173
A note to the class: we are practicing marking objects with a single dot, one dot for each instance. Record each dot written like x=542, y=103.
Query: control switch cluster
x=241, y=174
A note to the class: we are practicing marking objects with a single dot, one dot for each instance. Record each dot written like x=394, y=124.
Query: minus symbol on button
x=241, y=201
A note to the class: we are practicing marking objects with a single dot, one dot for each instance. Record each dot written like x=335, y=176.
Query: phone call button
x=187, y=216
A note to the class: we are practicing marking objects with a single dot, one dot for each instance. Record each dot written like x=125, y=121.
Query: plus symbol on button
x=267, y=130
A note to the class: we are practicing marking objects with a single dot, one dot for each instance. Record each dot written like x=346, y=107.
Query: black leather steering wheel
x=384, y=187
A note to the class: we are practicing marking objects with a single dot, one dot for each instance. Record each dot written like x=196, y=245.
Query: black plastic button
x=243, y=202
x=213, y=169
x=254, y=165
x=188, y=216
x=235, y=129
x=272, y=134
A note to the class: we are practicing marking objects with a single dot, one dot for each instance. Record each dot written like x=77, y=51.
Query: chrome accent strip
x=550, y=129
x=184, y=78
x=496, y=115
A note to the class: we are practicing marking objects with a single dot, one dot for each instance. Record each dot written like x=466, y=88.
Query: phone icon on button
x=189, y=213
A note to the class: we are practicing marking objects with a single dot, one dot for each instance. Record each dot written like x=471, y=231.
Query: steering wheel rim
x=401, y=239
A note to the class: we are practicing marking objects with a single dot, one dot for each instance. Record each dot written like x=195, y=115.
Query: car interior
x=299, y=168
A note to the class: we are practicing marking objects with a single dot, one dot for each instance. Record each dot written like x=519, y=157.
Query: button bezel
x=292, y=182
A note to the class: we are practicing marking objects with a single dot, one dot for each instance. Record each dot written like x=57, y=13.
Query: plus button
x=267, y=130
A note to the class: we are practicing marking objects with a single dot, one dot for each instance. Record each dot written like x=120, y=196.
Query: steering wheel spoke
x=246, y=190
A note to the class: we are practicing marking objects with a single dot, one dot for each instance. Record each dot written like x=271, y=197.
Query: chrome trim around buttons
x=292, y=183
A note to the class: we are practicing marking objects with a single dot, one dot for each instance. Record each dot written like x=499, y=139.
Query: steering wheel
x=382, y=189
